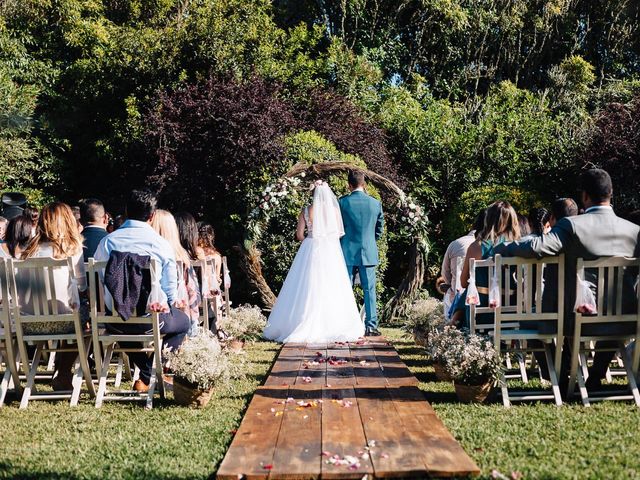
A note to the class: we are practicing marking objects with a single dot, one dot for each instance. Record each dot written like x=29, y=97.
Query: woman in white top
x=57, y=237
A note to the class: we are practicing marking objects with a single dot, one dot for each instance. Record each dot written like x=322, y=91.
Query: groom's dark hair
x=356, y=178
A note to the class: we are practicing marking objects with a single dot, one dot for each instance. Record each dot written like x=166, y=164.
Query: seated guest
x=18, y=237
x=561, y=208
x=56, y=237
x=136, y=236
x=188, y=231
x=31, y=213
x=539, y=221
x=3, y=227
x=453, y=262
x=94, y=219
x=206, y=240
x=165, y=224
x=501, y=225
x=523, y=224
x=597, y=233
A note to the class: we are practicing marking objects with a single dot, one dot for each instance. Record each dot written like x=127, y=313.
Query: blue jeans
x=368, y=282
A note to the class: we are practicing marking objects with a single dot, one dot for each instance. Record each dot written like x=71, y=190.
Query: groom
x=363, y=223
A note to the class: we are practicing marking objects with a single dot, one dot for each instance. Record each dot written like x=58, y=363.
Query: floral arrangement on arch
x=412, y=218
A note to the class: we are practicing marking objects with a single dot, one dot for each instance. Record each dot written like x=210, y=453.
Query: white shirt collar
x=598, y=207
x=359, y=189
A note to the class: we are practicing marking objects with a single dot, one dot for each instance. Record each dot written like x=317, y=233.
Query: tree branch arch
x=412, y=281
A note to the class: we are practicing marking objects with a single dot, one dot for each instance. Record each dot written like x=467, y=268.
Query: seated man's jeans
x=173, y=325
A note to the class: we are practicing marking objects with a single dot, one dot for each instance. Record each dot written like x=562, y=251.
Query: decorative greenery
x=201, y=361
x=244, y=323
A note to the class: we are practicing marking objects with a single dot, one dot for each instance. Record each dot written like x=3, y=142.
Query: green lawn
x=51, y=440
x=539, y=440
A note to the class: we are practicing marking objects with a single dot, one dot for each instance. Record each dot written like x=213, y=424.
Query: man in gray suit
x=597, y=233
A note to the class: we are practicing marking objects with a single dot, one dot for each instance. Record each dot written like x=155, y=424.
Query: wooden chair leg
x=119, y=369
x=51, y=364
x=523, y=367
x=127, y=367
x=573, y=372
x=631, y=376
x=6, y=378
x=31, y=377
x=83, y=354
x=584, y=395
x=608, y=376
x=102, y=381
x=552, y=375
x=77, y=383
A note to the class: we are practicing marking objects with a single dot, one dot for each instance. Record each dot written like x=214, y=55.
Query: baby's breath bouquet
x=244, y=323
x=473, y=362
x=425, y=315
x=200, y=361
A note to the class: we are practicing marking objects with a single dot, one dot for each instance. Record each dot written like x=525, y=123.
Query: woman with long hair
x=165, y=224
x=501, y=225
x=57, y=237
x=206, y=241
x=17, y=237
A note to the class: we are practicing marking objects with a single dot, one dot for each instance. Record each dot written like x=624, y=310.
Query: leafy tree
x=614, y=145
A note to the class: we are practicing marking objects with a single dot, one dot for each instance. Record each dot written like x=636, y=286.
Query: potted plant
x=425, y=314
x=474, y=366
x=198, y=365
x=243, y=324
x=441, y=343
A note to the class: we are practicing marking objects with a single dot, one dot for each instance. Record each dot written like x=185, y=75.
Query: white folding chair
x=510, y=335
x=487, y=328
x=110, y=343
x=613, y=274
x=36, y=279
x=8, y=344
x=226, y=286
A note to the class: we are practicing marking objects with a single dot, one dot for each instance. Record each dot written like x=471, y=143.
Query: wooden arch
x=412, y=281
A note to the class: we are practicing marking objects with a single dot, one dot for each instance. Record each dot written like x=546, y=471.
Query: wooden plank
x=299, y=446
x=442, y=454
x=285, y=369
x=393, y=368
x=394, y=453
x=339, y=367
x=410, y=401
x=254, y=444
x=440, y=451
x=366, y=368
x=313, y=369
x=343, y=434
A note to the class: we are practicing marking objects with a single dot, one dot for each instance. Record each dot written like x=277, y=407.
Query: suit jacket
x=92, y=236
x=598, y=233
x=128, y=281
x=363, y=224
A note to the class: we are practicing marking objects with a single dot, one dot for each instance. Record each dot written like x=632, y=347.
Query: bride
x=316, y=302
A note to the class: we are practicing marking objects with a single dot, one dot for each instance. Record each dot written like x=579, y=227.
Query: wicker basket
x=235, y=345
x=186, y=393
x=441, y=372
x=420, y=338
x=473, y=393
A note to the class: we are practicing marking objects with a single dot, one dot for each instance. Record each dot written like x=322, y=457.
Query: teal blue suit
x=363, y=225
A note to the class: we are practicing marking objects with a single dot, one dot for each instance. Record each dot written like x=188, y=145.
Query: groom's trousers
x=368, y=282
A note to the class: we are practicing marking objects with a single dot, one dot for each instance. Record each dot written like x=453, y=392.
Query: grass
x=537, y=440
x=122, y=440
x=541, y=441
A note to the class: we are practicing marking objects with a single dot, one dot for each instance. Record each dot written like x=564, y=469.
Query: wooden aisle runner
x=342, y=411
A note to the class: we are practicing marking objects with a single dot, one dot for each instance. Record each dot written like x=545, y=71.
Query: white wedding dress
x=316, y=303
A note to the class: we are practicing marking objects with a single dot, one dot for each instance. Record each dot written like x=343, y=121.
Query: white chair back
x=150, y=342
